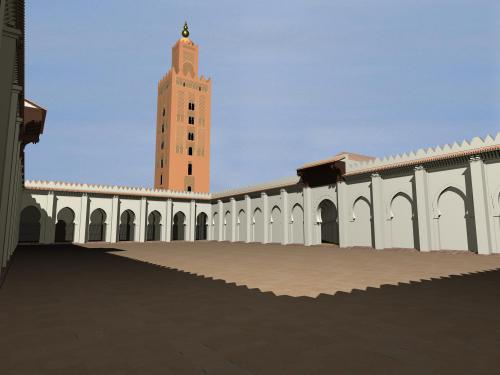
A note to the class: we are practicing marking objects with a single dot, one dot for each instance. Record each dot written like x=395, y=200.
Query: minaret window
x=189, y=188
x=161, y=163
x=190, y=169
x=191, y=120
x=190, y=151
x=191, y=106
x=163, y=111
x=190, y=136
x=163, y=128
x=162, y=145
x=161, y=179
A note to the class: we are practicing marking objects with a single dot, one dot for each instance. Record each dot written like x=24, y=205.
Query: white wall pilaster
x=168, y=221
x=192, y=220
x=378, y=211
x=286, y=216
x=342, y=207
x=48, y=221
x=265, y=213
x=423, y=209
x=220, y=208
x=308, y=220
x=233, y=219
x=83, y=219
x=481, y=211
x=143, y=213
x=248, y=212
x=115, y=219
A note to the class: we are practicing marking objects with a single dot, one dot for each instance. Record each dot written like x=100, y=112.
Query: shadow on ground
x=74, y=310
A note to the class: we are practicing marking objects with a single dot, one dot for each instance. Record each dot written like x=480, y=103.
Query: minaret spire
x=185, y=31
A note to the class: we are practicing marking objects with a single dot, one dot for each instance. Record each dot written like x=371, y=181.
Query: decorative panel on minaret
x=183, y=123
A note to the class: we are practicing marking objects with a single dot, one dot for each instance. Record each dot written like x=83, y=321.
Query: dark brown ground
x=72, y=310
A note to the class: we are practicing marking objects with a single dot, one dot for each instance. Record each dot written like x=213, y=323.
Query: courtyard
x=296, y=270
x=132, y=308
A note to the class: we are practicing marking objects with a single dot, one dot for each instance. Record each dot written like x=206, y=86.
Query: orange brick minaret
x=183, y=123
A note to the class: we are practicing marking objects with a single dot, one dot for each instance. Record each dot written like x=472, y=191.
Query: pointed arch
x=297, y=220
x=127, y=226
x=403, y=221
x=97, y=225
x=215, y=226
x=361, y=226
x=228, y=226
x=179, y=226
x=29, y=225
x=258, y=225
x=456, y=227
x=327, y=218
x=154, y=226
x=242, y=225
x=65, y=225
x=276, y=226
x=201, y=226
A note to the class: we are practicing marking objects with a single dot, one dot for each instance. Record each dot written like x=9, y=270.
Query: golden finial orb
x=185, y=31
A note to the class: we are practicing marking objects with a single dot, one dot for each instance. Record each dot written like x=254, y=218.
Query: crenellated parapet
x=113, y=190
x=284, y=182
x=466, y=148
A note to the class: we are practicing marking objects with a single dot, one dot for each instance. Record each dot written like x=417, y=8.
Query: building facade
x=21, y=122
x=182, y=160
x=443, y=198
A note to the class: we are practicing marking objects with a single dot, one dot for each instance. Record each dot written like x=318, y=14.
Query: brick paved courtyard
x=76, y=310
x=296, y=270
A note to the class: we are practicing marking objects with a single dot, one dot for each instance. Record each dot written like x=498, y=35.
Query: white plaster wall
x=493, y=202
x=452, y=222
x=359, y=220
x=295, y=233
x=297, y=225
x=241, y=225
x=276, y=224
x=399, y=216
x=215, y=224
x=228, y=228
x=449, y=192
x=274, y=221
x=257, y=224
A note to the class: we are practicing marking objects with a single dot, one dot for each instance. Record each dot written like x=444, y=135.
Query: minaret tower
x=182, y=160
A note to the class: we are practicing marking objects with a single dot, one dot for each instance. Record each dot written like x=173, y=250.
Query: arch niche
x=242, y=226
x=215, y=226
x=178, y=227
x=329, y=226
x=228, y=227
x=361, y=228
x=402, y=222
x=29, y=226
x=65, y=226
x=97, y=225
x=276, y=231
x=258, y=226
x=455, y=228
x=201, y=226
x=297, y=224
x=127, y=226
x=154, y=226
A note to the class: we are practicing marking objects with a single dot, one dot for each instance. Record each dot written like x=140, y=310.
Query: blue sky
x=293, y=81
